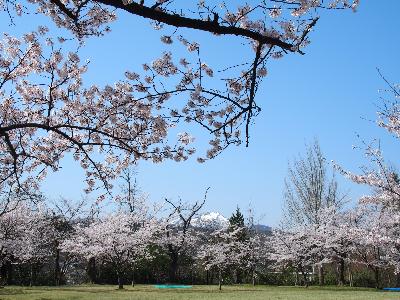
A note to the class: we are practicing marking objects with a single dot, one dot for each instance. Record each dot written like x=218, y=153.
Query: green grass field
x=148, y=292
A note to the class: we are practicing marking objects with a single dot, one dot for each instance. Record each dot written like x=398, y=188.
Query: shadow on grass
x=14, y=291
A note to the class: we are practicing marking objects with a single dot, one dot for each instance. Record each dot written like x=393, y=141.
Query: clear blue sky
x=330, y=93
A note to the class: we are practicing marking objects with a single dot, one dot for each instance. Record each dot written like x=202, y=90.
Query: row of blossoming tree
x=72, y=244
x=39, y=246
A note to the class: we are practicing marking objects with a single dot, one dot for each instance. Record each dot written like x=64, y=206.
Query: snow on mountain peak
x=211, y=219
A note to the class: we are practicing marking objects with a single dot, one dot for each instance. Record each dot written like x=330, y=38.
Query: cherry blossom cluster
x=119, y=238
x=222, y=100
x=359, y=236
x=381, y=233
x=26, y=234
x=46, y=112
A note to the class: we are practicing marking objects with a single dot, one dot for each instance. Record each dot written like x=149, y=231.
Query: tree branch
x=184, y=22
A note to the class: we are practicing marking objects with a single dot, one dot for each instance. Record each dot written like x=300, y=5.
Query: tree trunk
x=57, y=268
x=173, y=267
x=305, y=279
x=238, y=276
x=2, y=279
x=6, y=273
x=91, y=270
x=133, y=275
x=220, y=280
x=340, y=269
x=350, y=276
x=120, y=284
x=9, y=273
x=254, y=277
x=376, y=273
x=31, y=274
x=207, y=277
x=321, y=275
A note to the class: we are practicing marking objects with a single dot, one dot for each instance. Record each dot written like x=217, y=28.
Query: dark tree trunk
x=238, y=276
x=6, y=273
x=57, y=267
x=219, y=280
x=207, y=277
x=377, y=279
x=340, y=269
x=120, y=283
x=133, y=275
x=2, y=276
x=10, y=270
x=305, y=279
x=31, y=274
x=173, y=267
x=91, y=270
x=321, y=275
x=99, y=273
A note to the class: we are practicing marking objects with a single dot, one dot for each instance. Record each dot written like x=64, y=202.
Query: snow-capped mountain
x=210, y=220
x=215, y=220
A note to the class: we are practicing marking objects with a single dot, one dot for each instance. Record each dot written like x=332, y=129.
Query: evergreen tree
x=237, y=219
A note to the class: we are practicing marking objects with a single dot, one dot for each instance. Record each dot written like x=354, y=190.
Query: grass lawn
x=149, y=292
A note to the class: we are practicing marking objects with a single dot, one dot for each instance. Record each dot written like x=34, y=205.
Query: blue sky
x=330, y=93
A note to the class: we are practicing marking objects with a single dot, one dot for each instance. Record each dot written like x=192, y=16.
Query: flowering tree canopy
x=379, y=237
x=47, y=110
x=223, y=251
x=120, y=239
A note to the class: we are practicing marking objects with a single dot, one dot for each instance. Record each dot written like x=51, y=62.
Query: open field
x=148, y=292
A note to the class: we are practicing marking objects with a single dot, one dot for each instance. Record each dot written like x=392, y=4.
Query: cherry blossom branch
x=184, y=22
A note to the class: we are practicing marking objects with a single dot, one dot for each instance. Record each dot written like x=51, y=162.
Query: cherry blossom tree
x=298, y=248
x=223, y=251
x=338, y=232
x=34, y=244
x=342, y=237
x=47, y=110
x=63, y=214
x=177, y=236
x=380, y=233
x=120, y=239
x=11, y=229
x=25, y=236
x=371, y=241
x=256, y=253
